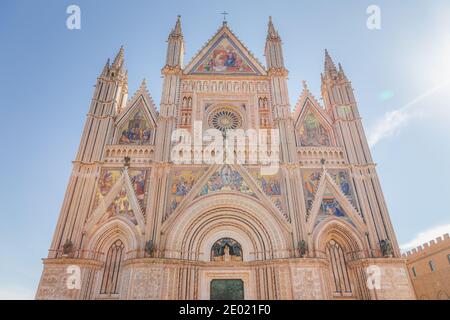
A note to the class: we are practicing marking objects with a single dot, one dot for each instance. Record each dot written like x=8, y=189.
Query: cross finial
x=224, y=17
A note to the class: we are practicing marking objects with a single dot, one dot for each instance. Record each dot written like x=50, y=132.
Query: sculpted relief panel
x=146, y=283
x=306, y=284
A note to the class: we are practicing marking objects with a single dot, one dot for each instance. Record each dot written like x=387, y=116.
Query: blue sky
x=399, y=73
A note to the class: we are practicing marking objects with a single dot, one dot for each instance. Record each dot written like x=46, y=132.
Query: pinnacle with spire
x=118, y=61
x=176, y=32
x=330, y=70
x=272, y=33
x=329, y=64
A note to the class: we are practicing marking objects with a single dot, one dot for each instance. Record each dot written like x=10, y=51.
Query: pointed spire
x=330, y=70
x=118, y=61
x=143, y=84
x=341, y=72
x=329, y=64
x=176, y=32
x=106, y=67
x=272, y=32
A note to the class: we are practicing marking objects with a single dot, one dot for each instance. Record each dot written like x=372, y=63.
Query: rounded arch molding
x=208, y=219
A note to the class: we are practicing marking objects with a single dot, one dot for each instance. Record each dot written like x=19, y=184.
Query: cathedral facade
x=137, y=223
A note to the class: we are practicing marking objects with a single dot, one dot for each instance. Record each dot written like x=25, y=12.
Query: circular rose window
x=225, y=119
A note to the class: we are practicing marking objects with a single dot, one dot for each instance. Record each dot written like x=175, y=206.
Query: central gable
x=225, y=54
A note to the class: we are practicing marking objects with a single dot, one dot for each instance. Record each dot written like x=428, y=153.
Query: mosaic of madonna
x=312, y=133
x=137, y=130
x=182, y=182
x=224, y=58
x=226, y=179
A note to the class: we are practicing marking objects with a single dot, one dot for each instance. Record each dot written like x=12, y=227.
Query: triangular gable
x=140, y=100
x=122, y=202
x=225, y=54
x=137, y=124
x=307, y=99
x=331, y=202
x=312, y=124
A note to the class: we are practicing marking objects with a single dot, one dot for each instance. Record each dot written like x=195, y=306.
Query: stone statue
x=302, y=248
x=226, y=253
x=149, y=248
x=67, y=248
x=386, y=248
x=127, y=161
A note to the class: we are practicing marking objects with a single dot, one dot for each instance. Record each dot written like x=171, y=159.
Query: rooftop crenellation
x=428, y=245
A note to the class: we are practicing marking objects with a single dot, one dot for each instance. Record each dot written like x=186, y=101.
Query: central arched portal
x=225, y=240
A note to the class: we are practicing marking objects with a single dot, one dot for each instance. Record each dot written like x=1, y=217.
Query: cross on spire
x=224, y=17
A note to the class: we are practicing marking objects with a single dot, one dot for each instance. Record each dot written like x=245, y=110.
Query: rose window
x=225, y=119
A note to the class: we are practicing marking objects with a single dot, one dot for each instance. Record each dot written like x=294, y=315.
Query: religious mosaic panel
x=139, y=182
x=270, y=185
x=182, y=182
x=330, y=207
x=312, y=133
x=226, y=249
x=311, y=181
x=137, y=130
x=224, y=57
x=106, y=180
x=226, y=179
x=341, y=177
x=121, y=206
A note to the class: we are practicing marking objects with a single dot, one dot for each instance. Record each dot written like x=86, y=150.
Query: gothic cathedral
x=135, y=224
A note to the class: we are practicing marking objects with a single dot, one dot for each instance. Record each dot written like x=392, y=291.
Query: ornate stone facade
x=143, y=227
